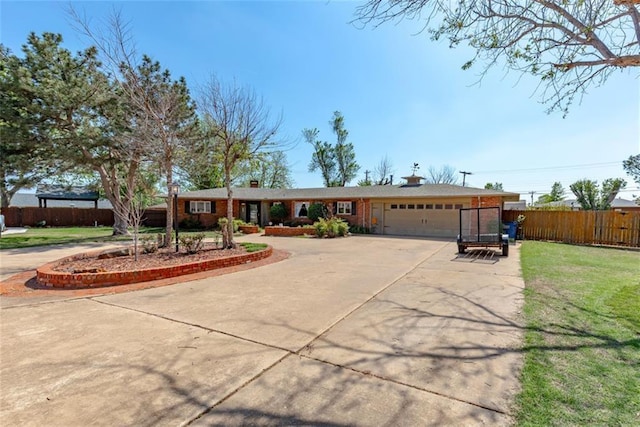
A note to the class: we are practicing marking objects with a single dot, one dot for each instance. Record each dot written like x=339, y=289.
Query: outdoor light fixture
x=175, y=189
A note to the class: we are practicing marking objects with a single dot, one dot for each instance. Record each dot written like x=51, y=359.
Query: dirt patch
x=164, y=257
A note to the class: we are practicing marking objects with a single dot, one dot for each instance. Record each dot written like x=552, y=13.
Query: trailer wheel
x=505, y=249
x=461, y=249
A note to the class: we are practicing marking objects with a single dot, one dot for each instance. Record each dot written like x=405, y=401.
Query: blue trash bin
x=513, y=229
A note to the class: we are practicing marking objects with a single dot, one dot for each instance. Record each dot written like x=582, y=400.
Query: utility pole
x=532, y=193
x=366, y=176
x=464, y=177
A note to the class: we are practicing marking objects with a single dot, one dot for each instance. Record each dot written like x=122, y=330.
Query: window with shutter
x=345, y=208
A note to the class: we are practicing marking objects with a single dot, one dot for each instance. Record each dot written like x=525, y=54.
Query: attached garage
x=432, y=218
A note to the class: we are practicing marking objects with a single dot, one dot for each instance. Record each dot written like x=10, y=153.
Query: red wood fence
x=618, y=228
x=60, y=217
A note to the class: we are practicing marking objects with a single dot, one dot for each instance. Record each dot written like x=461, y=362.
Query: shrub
x=298, y=223
x=316, y=211
x=190, y=223
x=359, y=229
x=222, y=222
x=332, y=227
x=278, y=212
x=236, y=224
x=149, y=244
x=192, y=243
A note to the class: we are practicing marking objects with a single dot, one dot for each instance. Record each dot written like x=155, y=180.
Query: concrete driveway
x=357, y=331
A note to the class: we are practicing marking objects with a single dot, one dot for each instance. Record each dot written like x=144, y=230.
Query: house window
x=411, y=206
x=394, y=206
x=459, y=206
x=429, y=206
x=300, y=209
x=420, y=206
x=403, y=206
x=438, y=206
x=344, y=208
x=448, y=206
x=196, y=206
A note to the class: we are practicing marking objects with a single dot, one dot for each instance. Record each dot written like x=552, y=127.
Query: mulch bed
x=164, y=257
x=25, y=285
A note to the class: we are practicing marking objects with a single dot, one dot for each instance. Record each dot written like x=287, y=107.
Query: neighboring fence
x=580, y=227
x=60, y=217
x=31, y=216
x=155, y=218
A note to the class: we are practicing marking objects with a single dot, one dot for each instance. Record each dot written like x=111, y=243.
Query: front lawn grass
x=582, y=339
x=59, y=235
x=253, y=247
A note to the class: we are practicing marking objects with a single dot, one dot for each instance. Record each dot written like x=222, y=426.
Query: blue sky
x=401, y=94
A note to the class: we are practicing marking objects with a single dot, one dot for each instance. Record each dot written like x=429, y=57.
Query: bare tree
x=240, y=127
x=568, y=45
x=382, y=171
x=444, y=175
x=162, y=115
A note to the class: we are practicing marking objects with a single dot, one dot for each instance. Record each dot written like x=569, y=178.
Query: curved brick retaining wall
x=47, y=276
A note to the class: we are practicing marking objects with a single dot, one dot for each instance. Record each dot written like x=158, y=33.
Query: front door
x=254, y=213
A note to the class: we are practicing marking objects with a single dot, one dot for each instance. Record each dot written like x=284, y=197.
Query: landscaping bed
x=86, y=270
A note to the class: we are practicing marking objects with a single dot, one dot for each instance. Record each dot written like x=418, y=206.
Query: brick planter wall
x=58, y=279
x=249, y=229
x=289, y=231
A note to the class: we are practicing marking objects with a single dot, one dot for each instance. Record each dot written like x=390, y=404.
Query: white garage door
x=421, y=219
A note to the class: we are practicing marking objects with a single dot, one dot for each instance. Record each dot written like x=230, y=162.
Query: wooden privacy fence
x=62, y=217
x=31, y=216
x=580, y=227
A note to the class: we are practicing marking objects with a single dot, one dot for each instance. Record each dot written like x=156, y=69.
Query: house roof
x=366, y=192
x=66, y=193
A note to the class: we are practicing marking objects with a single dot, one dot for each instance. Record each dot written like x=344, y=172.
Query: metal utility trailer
x=482, y=228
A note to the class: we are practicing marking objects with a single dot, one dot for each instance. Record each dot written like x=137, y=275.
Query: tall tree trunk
x=228, y=233
x=170, y=206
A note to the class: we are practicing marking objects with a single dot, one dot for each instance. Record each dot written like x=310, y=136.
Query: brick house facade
x=425, y=209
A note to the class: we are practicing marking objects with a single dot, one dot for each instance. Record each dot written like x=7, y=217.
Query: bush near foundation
x=332, y=227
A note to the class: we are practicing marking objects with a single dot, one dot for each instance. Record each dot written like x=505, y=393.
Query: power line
x=464, y=176
x=588, y=165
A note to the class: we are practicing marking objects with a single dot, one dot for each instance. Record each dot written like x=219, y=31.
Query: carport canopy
x=44, y=193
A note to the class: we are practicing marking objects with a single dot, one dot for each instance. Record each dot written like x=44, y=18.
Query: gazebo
x=44, y=193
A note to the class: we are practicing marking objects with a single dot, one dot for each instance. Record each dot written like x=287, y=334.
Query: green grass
x=253, y=247
x=59, y=235
x=582, y=339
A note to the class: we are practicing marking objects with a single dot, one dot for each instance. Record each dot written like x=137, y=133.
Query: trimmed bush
x=278, y=212
x=190, y=223
x=149, y=244
x=316, y=211
x=192, y=243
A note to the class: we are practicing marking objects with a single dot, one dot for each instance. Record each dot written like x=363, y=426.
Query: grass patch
x=60, y=235
x=582, y=343
x=253, y=247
